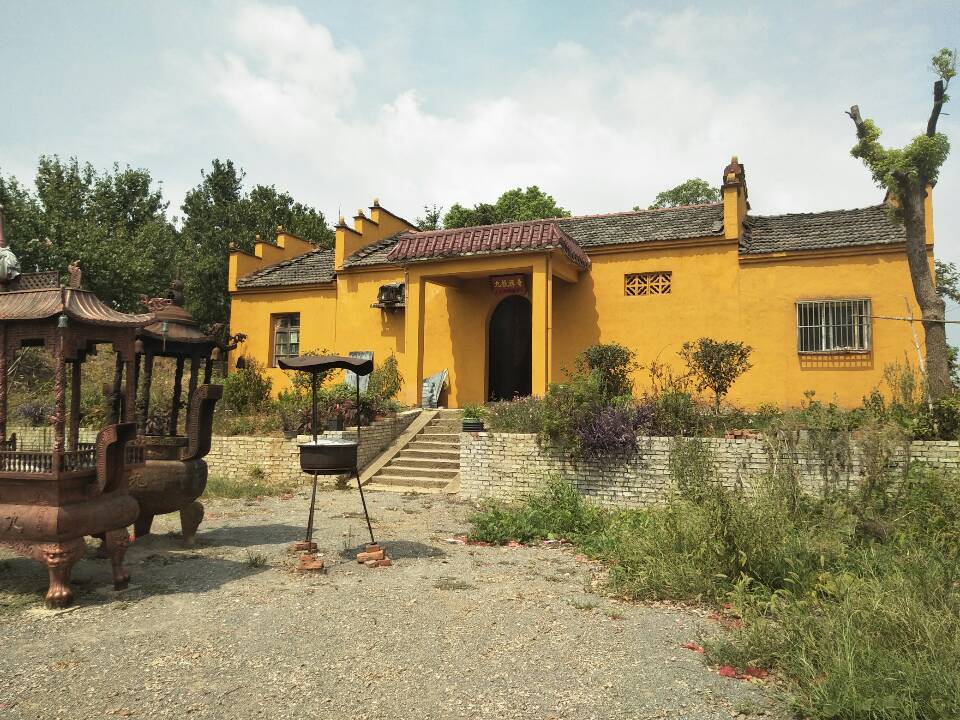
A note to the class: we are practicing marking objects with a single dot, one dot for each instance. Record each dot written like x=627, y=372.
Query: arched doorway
x=509, y=360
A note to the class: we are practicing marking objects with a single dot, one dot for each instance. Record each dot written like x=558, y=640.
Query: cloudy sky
x=601, y=104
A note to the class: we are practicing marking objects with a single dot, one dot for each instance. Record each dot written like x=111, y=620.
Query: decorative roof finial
x=279, y=229
x=75, y=274
x=175, y=293
x=376, y=202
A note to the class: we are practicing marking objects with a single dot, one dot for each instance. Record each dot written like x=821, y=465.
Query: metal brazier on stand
x=331, y=456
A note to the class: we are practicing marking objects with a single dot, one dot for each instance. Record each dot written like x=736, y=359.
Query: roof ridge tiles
x=838, y=211
x=621, y=213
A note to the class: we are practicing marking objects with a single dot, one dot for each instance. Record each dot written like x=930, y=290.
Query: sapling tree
x=907, y=173
x=716, y=365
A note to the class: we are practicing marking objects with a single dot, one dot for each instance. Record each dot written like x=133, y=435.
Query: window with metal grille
x=833, y=326
x=647, y=283
x=286, y=336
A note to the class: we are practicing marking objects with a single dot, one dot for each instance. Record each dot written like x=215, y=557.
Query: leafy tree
x=906, y=173
x=948, y=280
x=217, y=214
x=269, y=208
x=113, y=223
x=948, y=287
x=716, y=364
x=692, y=192
x=432, y=218
x=514, y=205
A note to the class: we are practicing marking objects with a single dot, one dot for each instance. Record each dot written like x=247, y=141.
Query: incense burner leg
x=190, y=518
x=117, y=543
x=60, y=558
x=142, y=525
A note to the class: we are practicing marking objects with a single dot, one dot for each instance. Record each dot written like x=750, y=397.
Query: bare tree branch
x=938, y=90
x=854, y=113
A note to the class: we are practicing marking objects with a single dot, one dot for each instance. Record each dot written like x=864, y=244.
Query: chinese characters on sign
x=509, y=284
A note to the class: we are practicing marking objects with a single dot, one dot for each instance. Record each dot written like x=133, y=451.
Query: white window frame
x=833, y=326
x=278, y=330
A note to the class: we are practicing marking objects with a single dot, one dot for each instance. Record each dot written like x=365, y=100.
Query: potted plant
x=473, y=418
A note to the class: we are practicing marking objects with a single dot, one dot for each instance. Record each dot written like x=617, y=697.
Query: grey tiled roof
x=820, y=231
x=311, y=268
x=690, y=221
x=373, y=254
x=762, y=234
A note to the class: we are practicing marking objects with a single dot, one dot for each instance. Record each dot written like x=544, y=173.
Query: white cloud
x=600, y=134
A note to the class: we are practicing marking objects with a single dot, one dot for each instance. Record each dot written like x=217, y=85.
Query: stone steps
x=428, y=463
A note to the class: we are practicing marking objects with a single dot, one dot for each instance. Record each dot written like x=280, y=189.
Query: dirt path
x=450, y=631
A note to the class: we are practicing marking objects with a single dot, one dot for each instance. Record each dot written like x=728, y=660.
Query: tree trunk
x=932, y=307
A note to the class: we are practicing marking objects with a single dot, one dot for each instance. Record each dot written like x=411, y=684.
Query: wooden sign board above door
x=509, y=284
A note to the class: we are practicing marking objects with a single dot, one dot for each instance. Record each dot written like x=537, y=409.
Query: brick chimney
x=735, y=204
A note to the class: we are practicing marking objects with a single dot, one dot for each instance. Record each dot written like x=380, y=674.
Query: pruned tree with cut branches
x=907, y=173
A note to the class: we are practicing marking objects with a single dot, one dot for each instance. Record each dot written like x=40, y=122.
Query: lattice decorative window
x=647, y=283
x=833, y=326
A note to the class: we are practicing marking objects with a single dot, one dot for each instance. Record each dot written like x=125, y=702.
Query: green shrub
x=521, y=415
x=247, y=390
x=556, y=511
x=611, y=364
x=293, y=411
x=473, y=411
x=386, y=380
x=716, y=364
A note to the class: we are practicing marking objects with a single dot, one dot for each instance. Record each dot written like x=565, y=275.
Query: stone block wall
x=41, y=438
x=506, y=466
x=235, y=458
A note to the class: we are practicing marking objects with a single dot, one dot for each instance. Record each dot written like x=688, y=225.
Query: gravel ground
x=227, y=629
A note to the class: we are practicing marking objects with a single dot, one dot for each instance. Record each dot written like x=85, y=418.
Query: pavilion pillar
x=74, y=442
x=413, y=338
x=3, y=382
x=130, y=367
x=143, y=411
x=541, y=301
x=177, y=392
x=59, y=402
x=115, y=406
x=194, y=373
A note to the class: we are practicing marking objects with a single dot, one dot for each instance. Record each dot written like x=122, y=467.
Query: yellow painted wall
x=715, y=295
x=250, y=314
x=361, y=327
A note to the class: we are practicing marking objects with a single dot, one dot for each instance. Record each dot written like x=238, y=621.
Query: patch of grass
x=862, y=624
x=584, y=604
x=245, y=489
x=613, y=614
x=255, y=560
x=556, y=512
x=15, y=602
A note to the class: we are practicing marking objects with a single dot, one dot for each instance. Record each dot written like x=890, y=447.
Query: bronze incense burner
x=175, y=473
x=50, y=498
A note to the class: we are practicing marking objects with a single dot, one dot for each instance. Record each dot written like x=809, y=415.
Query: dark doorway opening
x=510, y=361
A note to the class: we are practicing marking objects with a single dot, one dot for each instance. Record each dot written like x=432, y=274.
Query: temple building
x=505, y=309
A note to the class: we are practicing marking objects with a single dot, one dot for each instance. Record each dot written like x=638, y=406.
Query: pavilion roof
x=79, y=305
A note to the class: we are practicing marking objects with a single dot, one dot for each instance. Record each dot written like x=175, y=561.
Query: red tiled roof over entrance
x=530, y=236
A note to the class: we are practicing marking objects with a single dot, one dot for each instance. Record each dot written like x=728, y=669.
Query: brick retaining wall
x=41, y=438
x=508, y=465
x=234, y=458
